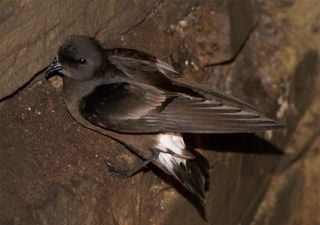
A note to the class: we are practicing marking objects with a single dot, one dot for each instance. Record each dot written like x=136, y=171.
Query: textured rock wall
x=264, y=52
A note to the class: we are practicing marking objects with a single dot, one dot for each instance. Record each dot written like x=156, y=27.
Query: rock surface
x=264, y=52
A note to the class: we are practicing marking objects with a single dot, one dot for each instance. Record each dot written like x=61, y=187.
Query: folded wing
x=138, y=108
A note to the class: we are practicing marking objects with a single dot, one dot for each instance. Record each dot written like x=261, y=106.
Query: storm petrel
x=138, y=100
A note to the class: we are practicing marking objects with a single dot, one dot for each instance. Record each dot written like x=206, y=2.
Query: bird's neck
x=75, y=89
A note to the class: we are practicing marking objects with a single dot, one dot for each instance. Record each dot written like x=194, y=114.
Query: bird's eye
x=82, y=61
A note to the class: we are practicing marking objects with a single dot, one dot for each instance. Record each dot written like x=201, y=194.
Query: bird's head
x=79, y=57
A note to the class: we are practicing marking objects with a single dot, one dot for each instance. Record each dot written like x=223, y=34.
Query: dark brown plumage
x=141, y=101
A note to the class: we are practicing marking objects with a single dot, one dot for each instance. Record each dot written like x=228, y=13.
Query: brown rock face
x=264, y=52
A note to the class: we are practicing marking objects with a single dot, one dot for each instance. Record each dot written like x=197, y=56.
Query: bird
x=145, y=104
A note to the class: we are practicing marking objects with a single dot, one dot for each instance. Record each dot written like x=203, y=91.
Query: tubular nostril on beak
x=53, y=69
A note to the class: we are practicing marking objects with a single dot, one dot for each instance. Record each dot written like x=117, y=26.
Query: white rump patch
x=172, y=151
x=169, y=162
x=171, y=143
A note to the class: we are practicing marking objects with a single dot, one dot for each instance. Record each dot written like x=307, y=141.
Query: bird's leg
x=131, y=171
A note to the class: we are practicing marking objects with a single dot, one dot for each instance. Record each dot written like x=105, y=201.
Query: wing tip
x=269, y=124
x=165, y=67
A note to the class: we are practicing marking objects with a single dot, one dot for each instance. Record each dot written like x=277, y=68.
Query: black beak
x=53, y=69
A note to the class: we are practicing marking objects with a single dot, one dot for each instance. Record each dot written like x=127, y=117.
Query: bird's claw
x=110, y=167
x=114, y=169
